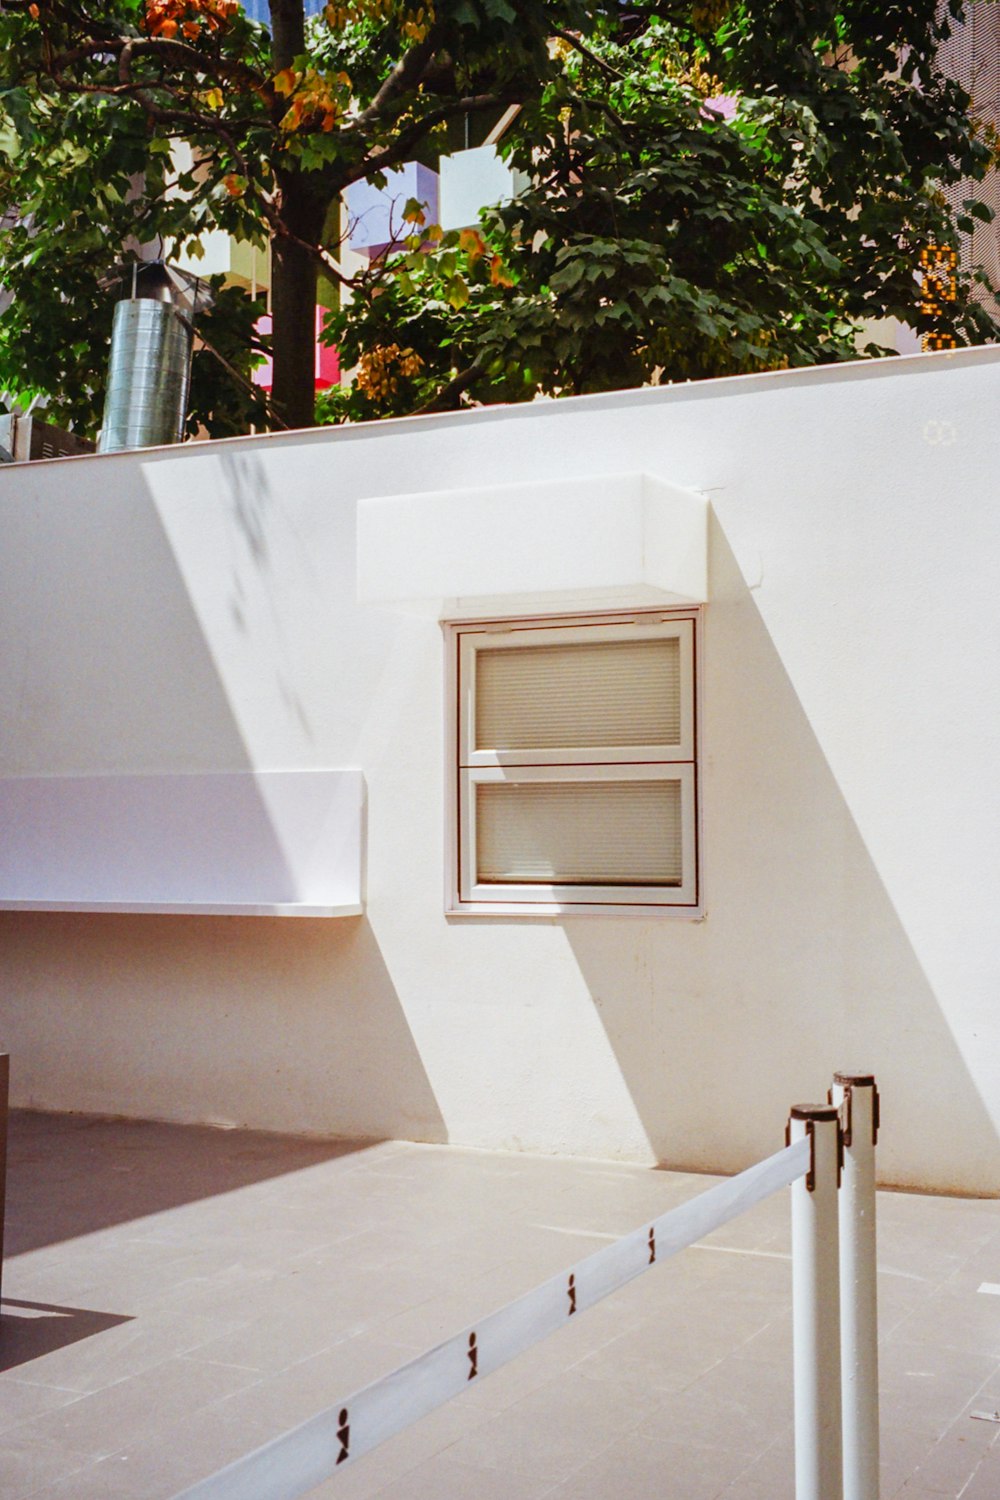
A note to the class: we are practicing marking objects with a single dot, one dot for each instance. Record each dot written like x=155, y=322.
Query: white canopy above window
x=603, y=541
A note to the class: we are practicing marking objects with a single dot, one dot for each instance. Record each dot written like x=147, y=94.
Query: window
x=576, y=778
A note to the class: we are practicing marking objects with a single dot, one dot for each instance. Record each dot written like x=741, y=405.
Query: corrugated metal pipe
x=145, y=403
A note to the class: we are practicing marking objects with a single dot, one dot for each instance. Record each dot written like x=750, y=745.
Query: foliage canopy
x=709, y=188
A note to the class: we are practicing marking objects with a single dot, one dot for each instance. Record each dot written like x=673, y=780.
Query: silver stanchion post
x=816, y=1306
x=857, y=1097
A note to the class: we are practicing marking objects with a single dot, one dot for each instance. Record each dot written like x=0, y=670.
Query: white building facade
x=233, y=693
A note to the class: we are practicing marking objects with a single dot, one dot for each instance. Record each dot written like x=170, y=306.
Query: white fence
x=834, y=1315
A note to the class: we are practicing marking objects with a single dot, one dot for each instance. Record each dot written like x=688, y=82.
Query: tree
x=280, y=122
x=739, y=193
x=713, y=186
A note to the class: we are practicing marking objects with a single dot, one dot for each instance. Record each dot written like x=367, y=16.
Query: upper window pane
x=583, y=694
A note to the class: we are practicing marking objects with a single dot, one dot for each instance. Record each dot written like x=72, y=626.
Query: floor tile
x=441, y=1478
x=549, y=1434
x=640, y=1466
x=176, y=1297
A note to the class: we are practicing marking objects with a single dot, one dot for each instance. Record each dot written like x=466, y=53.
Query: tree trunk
x=293, y=305
x=288, y=31
x=293, y=270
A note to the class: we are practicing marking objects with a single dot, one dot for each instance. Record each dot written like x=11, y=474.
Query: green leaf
x=457, y=292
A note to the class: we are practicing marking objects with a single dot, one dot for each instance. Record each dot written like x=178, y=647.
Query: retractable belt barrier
x=298, y=1460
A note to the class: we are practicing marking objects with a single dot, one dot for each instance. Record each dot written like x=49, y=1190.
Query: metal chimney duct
x=146, y=398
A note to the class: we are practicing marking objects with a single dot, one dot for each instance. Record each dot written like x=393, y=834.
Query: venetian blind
x=595, y=693
x=579, y=833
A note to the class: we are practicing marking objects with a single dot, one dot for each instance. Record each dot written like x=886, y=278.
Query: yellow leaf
x=458, y=293
x=292, y=117
x=285, y=81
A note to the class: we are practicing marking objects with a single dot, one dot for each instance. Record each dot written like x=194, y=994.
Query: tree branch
x=578, y=46
x=192, y=117
x=447, y=396
x=180, y=52
x=402, y=147
x=125, y=48
x=405, y=76
x=248, y=385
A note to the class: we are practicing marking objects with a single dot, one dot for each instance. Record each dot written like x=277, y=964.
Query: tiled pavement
x=175, y=1296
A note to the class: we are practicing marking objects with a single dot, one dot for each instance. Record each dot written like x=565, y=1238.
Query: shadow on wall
x=262, y=577
x=281, y=1024
x=157, y=643
x=109, y=669
x=802, y=966
x=254, y=581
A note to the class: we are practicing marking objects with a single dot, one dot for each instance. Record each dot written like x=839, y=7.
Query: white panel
x=675, y=539
x=271, y=842
x=589, y=541
x=618, y=833
x=585, y=693
x=216, y=260
x=375, y=214
x=471, y=180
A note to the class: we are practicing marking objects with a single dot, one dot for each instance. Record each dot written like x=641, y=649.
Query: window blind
x=615, y=833
x=583, y=694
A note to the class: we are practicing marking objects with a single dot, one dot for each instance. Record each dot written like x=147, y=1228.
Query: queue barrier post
x=856, y=1096
x=816, y=1305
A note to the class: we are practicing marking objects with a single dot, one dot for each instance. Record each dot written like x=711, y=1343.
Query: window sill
x=549, y=909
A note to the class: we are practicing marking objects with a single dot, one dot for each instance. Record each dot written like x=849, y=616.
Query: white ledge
x=241, y=843
x=611, y=540
x=184, y=909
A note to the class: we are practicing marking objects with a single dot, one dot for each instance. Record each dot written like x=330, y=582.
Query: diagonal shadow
x=148, y=696
x=300, y=1018
x=112, y=667
x=70, y=1175
x=802, y=966
x=246, y=488
x=294, y=1025
x=38, y=1328
x=248, y=569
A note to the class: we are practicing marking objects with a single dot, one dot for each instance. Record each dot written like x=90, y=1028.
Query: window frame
x=469, y=767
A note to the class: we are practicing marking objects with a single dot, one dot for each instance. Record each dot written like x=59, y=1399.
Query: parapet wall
x=196, y=611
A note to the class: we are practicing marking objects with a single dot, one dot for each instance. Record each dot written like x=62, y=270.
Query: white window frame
x=470, y=767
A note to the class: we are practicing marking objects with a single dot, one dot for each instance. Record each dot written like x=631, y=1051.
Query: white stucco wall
x=196, y=610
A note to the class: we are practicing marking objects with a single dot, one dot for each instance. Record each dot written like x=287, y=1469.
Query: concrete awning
x=605, y=541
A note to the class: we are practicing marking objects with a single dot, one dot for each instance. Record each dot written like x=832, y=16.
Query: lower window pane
x=579, y=833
